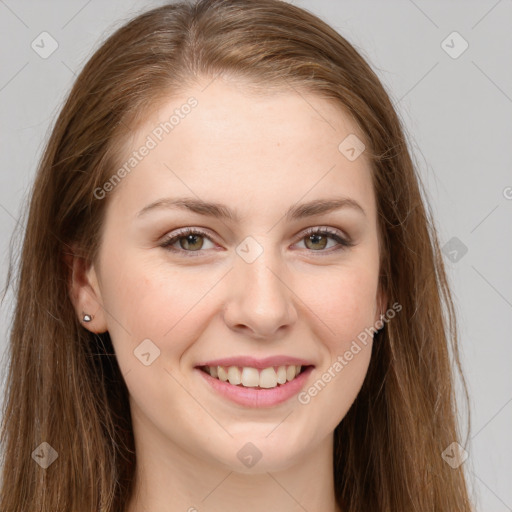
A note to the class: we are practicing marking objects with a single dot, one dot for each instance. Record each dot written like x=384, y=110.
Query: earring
x=86, y=317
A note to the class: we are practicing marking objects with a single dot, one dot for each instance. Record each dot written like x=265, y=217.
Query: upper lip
x=252, y=362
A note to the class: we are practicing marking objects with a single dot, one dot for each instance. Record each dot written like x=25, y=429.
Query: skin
x=258, y=155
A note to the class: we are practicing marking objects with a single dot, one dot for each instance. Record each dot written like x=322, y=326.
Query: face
x=250, y=286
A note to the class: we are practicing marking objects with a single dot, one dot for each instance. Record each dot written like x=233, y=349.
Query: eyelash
x=343, y=242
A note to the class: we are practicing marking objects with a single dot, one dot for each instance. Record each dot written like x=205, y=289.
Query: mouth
x=255, y=378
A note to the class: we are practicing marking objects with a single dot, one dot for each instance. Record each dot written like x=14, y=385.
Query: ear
x=84, y=291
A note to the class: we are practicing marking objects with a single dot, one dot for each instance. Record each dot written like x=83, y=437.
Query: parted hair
x=63, y=384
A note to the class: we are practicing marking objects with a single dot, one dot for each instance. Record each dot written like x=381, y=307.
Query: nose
x=260, y=301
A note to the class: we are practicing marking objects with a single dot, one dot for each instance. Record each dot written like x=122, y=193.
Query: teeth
x=221, y=372
x=234, y=375
x=268, y=378
x=252, y=377
x=281, y=375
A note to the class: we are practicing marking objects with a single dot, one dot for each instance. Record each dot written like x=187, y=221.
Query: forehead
x=222, y=142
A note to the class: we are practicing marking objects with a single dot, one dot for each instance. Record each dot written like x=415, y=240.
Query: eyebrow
x=220, y=211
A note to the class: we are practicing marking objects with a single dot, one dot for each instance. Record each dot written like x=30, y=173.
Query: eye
x=191, y=240
x=316, y=239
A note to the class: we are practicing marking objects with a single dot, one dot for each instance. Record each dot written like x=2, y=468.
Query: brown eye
x=316, y=241
x=189, y=240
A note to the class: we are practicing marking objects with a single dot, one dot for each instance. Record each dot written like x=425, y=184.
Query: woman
x=230, y=292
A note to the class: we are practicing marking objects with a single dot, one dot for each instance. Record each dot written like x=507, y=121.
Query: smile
x=251, y=387
x=249, y=377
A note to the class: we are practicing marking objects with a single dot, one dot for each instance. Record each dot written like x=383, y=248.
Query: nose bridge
x=259, y=297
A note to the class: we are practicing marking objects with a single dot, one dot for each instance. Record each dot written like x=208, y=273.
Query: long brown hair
x=64, y=386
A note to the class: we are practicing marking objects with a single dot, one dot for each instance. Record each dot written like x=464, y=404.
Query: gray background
x=458, y=117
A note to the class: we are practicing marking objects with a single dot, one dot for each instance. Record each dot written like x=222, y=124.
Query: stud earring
x=86, y=317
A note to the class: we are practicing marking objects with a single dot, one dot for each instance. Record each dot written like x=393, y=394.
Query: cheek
x=156, y=302
x=343, y=301
x=344, y=306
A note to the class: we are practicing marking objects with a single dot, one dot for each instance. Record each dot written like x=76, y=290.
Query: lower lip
x=251, y=397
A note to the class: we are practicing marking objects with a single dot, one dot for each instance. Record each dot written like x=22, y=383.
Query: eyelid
x=334, y=232
x=343, y=240
x=171, y=239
